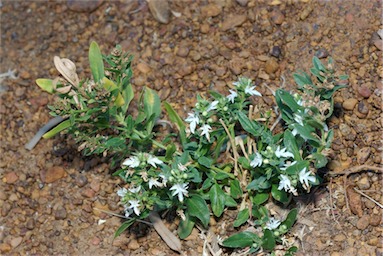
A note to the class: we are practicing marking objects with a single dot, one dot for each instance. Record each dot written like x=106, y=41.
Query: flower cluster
x=206, y=113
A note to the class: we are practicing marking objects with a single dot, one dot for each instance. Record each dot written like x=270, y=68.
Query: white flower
x=212, y=106
x=135, y=190
x=232, y=96
x=154, y=160
x=287, y=165
x=257, y=161
x=273, y=223
x=205, y=131
x=284, y=183
x=282, y=152
x=180, y=190
x=154, y=182
x=305, y=177
x=122, y=192
x=251, y=90
x=193, y=119
x=164, y=179
x=134, y=204
x=132, y=162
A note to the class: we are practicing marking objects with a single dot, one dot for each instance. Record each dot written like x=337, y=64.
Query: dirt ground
x=49, y=196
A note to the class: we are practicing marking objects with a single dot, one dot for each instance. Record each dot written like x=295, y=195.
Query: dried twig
x=351, y=170
x=372, y=199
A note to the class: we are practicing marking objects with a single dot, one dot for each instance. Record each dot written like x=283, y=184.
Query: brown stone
x=349, y=104
x=211, y=10
x=277, y=17
x=10, y=177
x=375, y=220
x=363, y=154
x=52, y=174
x=133, y=244
x=160, y=10
x=233, y=21
x=143, y=68
x=271, y=66
x=60, y=213
x=363, y=222
x=355, y=201
x=83, y=6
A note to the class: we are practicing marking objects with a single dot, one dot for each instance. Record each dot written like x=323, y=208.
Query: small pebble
x=321, y=53
x=363, y=107
x=271, y=66
x=276, y=51
x=233, y=21
x=160, y=10
x=364, y=91
x=277, y=17
x=376, y=219
x=211, y=10
x=16, y=241
x=183, y=51
x=10, y=178
x=143, y=68
x=133, y=244
x=363, y=154
x=4, y=248
x=363, y=222
x=60, y=213
x=83, y=6
x=52, y=174
x=81, y=180
x=364, y=183
x=349, y=104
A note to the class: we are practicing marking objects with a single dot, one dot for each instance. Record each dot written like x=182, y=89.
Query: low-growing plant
x=224, y=154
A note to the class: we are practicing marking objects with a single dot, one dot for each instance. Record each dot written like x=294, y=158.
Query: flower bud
x=204, y=113
x=266, y=161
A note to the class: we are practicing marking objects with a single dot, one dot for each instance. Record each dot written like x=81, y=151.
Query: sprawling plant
x=224, y=154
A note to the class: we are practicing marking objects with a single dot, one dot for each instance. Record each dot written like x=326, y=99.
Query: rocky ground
x=49, y=196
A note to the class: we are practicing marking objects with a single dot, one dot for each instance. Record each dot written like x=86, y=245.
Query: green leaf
x=96, y=63
x=123, y=227
x=230, y=202
x=58, y=128
x=242, y=217
x=290, y=219
x=318, y=64
x=204, y=161
x=240, y=240
x=175, y=118
x=302, y=79
x=329, y=138
x=235, y=189
x=186, y=227
x=45, y=84
x=152, y=107
x=260, y=198
x=197, y=207
x=279, y=195
x=244, y=162
x=320, y=160
x=291, y=144
x=259, y=183
x=128, y=95
x=170, y=149
x=250, y=126
x=268, y=240
x=217, y=199
x=207, y=183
